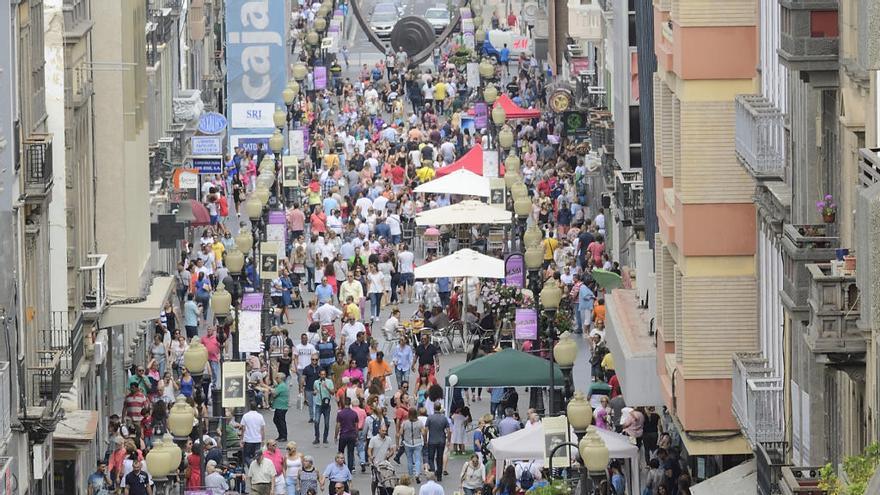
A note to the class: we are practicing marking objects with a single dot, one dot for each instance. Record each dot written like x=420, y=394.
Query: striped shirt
x=134, y=404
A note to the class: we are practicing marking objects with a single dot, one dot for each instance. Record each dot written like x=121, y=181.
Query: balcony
x=629, y=193
x=5, y=403
x=65, y=335
x=869, y=166
x=800, y=481
x=44, y=381
x=38, y=167
x=92, y=287
x=834, y=313
x=809, y=38
x=803, y=244
x=757, y=399
x=770, y=460
x=80, y=87
x=760, y=137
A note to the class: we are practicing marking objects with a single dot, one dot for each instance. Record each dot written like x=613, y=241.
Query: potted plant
x=827, y=208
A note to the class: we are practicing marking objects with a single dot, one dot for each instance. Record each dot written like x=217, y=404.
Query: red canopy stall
x=514, y=111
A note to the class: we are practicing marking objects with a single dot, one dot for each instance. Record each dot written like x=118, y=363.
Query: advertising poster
x=515, y=270
x=256, y=62
x=290, y=171
x=269, y=259
x=526, y=327
x=555, y=434
x=234, y=384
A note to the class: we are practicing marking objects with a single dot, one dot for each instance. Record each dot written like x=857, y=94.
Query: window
x=823, y=24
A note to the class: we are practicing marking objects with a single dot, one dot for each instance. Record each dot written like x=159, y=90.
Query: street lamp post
x=180, y=424
x=594, y=455
x=565, y=352
x=580, y=416
x=534, y=257
x=221, y=300
x=550, y=296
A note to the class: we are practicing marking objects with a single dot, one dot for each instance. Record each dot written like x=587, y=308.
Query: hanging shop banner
x=556, y=434
x=515, y=270
x=250, y=143
x=526, y=326
x=490, y=163
x=208, y=164
x=206, y=145
x=269, y=259
x=234, y=384
x=256, y=61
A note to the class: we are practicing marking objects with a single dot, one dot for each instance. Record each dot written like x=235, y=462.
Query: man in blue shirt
x=337, y=471
x=504, y=58
x=586, y=297
x=191, y=316
x=382, y=229
x=443, y=290
x=99, y=482
x=330, y=204
x=324, y=292
x=402, y=357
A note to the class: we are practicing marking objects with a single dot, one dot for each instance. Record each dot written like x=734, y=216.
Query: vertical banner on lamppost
x=481, y=115
x=290, y=173
x=234, y=384
x=256, y=63
x=249, y=330
x=320, y=77
x=297, y=143
x=556, y=434
x=490, y=163
x=526, y=324
x=269, y=258
x=514, y=270
x=473, y=75
x=276, y=229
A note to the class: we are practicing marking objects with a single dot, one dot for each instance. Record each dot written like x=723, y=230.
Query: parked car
x=438, y=18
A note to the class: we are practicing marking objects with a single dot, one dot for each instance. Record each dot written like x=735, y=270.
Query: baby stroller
x=384, y=478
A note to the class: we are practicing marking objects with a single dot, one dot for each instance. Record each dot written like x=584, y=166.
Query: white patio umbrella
x=461, y=181
x=463, y=263
x=465, y=212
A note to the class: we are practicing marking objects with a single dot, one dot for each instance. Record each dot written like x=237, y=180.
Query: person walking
x=438, y=432
x=411, y=435
x=403, y=358
x=432, y=486
x=254, y=427
x=293, y=464
x=308, y=376
x=347, y=430
x=280, y=403
x=323, y=395
x=473, y=476
x=261, y=475
x=336, y=473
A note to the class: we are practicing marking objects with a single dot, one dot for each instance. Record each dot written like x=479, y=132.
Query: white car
x=438, y=18
x=383, y=19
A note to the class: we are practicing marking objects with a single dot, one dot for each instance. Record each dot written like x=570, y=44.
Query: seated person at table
x=438, y=319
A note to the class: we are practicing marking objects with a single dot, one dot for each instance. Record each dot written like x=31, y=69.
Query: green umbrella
x=607, y=280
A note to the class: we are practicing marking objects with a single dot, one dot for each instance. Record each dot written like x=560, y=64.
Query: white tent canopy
x=528, y=444
x=462, y=181
x=465, y=212
x=462, y=263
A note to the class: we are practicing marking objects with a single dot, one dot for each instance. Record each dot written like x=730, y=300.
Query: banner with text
x=256, y=63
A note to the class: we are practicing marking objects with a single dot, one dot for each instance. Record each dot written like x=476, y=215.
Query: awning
x=76, y=427
x=740, y=480
x=119, y=314
x=715, y=443
x=514, y=111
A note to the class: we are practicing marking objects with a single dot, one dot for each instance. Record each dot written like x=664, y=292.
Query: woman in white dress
x=386, y=269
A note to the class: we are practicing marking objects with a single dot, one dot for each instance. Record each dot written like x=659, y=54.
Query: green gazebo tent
x=506, y=368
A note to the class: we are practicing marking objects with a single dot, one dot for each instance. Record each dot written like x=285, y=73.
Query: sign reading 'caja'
x=256, y=61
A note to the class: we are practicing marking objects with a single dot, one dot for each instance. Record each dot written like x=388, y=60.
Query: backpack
x=377, y=424
x=526, y=478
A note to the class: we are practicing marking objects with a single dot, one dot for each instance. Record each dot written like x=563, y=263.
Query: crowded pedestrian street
x=412, y=247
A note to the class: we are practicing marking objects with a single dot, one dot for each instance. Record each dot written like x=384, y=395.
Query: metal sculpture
x=413, y=33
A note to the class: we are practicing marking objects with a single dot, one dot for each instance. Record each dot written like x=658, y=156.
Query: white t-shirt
x=405, y=261
x=350, y=331
x=253, y=424
x=363, y=203
x=380, y=203
x=393, y=222
x=304, y=355
x=326, y=313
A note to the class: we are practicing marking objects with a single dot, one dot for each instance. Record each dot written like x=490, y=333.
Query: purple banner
x=320, y=75
x=481, y=115
x=252, y=301
x=276, y=217
x=515, y=270
x=526, y=325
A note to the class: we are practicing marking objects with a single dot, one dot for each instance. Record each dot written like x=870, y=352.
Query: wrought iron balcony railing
x=44, y=379
x=629, y=193
x=65, y=334
x=93, y=286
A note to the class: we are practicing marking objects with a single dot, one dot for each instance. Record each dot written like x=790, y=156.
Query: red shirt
x=134, y=404
x=296, y=219
x=277, y=459
x=213, y=348
x=511, y=20
x=224, y=206
x=397, y=174
x=319, y=222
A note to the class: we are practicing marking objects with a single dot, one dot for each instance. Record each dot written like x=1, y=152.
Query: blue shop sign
x=212, y=123
x=208, y=165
